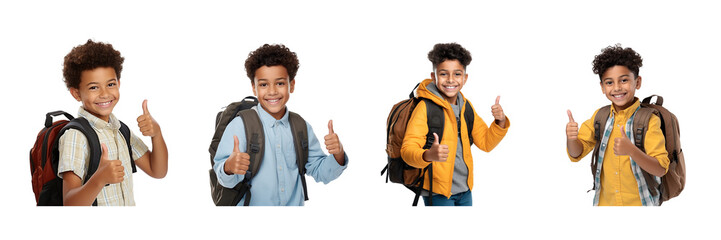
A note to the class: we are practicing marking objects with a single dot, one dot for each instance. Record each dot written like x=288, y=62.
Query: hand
x=109, y=171
x=571, y=127
x=148, y=126
x=622, y=146
x=238, y=162
x=332, y=143
x=497, y=112
x=437, y=153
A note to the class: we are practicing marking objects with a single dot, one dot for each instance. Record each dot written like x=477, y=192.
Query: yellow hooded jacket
x=484, y=138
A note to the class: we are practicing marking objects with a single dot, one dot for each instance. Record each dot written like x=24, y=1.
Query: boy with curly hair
x=618, y=178
x=450, y=159
x=271, y=70
x=92, y=75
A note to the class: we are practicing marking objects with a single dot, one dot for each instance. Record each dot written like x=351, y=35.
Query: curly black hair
x=89, y=56
x=271, y=55
x=449, y=51
x=617, y=56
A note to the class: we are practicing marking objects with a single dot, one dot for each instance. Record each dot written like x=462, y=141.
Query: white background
x=357, y=60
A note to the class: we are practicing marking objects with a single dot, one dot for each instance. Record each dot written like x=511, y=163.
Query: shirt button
x=617, y=191
x=282, y=189
x=616, y=173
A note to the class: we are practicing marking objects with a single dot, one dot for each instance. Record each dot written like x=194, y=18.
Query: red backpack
x=44, y=156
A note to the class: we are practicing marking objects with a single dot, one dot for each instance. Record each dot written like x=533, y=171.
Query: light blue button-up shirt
x=277, y=182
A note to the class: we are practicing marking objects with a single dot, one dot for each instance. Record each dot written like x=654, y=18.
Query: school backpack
x=255, y=141
x=44, y=156
x=675, y=179
x=398, y=170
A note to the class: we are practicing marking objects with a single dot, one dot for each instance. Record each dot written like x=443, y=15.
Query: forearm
x=158, y=157
x=574, y=147
x=81, y=195
x=648, y=163
x=340, y=158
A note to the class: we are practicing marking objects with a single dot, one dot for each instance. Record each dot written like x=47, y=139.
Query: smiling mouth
x=273, y=101
x=450, y=87
x=104, y=104
x=618, y=96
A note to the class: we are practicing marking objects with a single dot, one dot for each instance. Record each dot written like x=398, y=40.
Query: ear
x=292, y=85
x=433, y=76
x=638, y=82
x=75, y=92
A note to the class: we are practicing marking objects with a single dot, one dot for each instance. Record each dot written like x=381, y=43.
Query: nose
x=273, y=89
x=103, y=93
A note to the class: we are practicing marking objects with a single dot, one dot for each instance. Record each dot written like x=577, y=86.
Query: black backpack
x=47, y=186
x=398, y=170
x=255, y=139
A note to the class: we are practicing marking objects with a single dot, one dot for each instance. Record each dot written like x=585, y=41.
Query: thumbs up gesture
x=498, y=114
x=238, y=162
x=437, y=153
x=622, y=146
x=109, y=171
x=332, y=143
x=148, y=126
x=571, y=127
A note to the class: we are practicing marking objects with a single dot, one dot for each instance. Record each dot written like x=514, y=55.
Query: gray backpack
x=255, y=139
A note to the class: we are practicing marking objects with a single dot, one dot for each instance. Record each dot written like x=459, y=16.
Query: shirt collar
x=269, y=120
x=113, y=123
x=629, y=110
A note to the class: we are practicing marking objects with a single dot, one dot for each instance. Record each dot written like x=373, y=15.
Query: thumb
x=435, y=139
x=236, y=144
x=104, y=153
x=570, y=116
x=145, y=107
x=498, y=99
x=330, y=127
x=622, y=129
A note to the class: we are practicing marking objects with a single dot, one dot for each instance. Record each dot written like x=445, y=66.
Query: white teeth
x=273, y=100
x=103, y=104
x=451, y=87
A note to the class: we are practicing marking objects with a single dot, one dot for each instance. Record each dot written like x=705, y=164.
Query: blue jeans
x=458, y=199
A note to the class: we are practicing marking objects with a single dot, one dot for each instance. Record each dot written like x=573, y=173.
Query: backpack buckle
x=254, y=148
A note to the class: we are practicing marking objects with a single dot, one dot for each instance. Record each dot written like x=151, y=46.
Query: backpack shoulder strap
x=640, y=125
x=255, y=140
x=125, y=131
x=255, y=147
x=436, y=121
x=599, y=123
x=469, y=115
x=300, y=141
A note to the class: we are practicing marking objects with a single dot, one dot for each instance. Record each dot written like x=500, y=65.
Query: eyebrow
x=109, y=80
x=610, y=78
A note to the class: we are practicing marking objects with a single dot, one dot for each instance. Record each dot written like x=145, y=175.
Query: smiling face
x=450, y=76
x=272, y=86
x=99, y=91
x=619, y=86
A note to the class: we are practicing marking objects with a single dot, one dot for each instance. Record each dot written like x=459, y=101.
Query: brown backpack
x=675, y=179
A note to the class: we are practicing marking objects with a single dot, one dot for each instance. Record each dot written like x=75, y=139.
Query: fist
x=148, y=126
x=238, y=162
x=332, y=143
x=437, y=153
x=109, y=171
x=571, y=127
